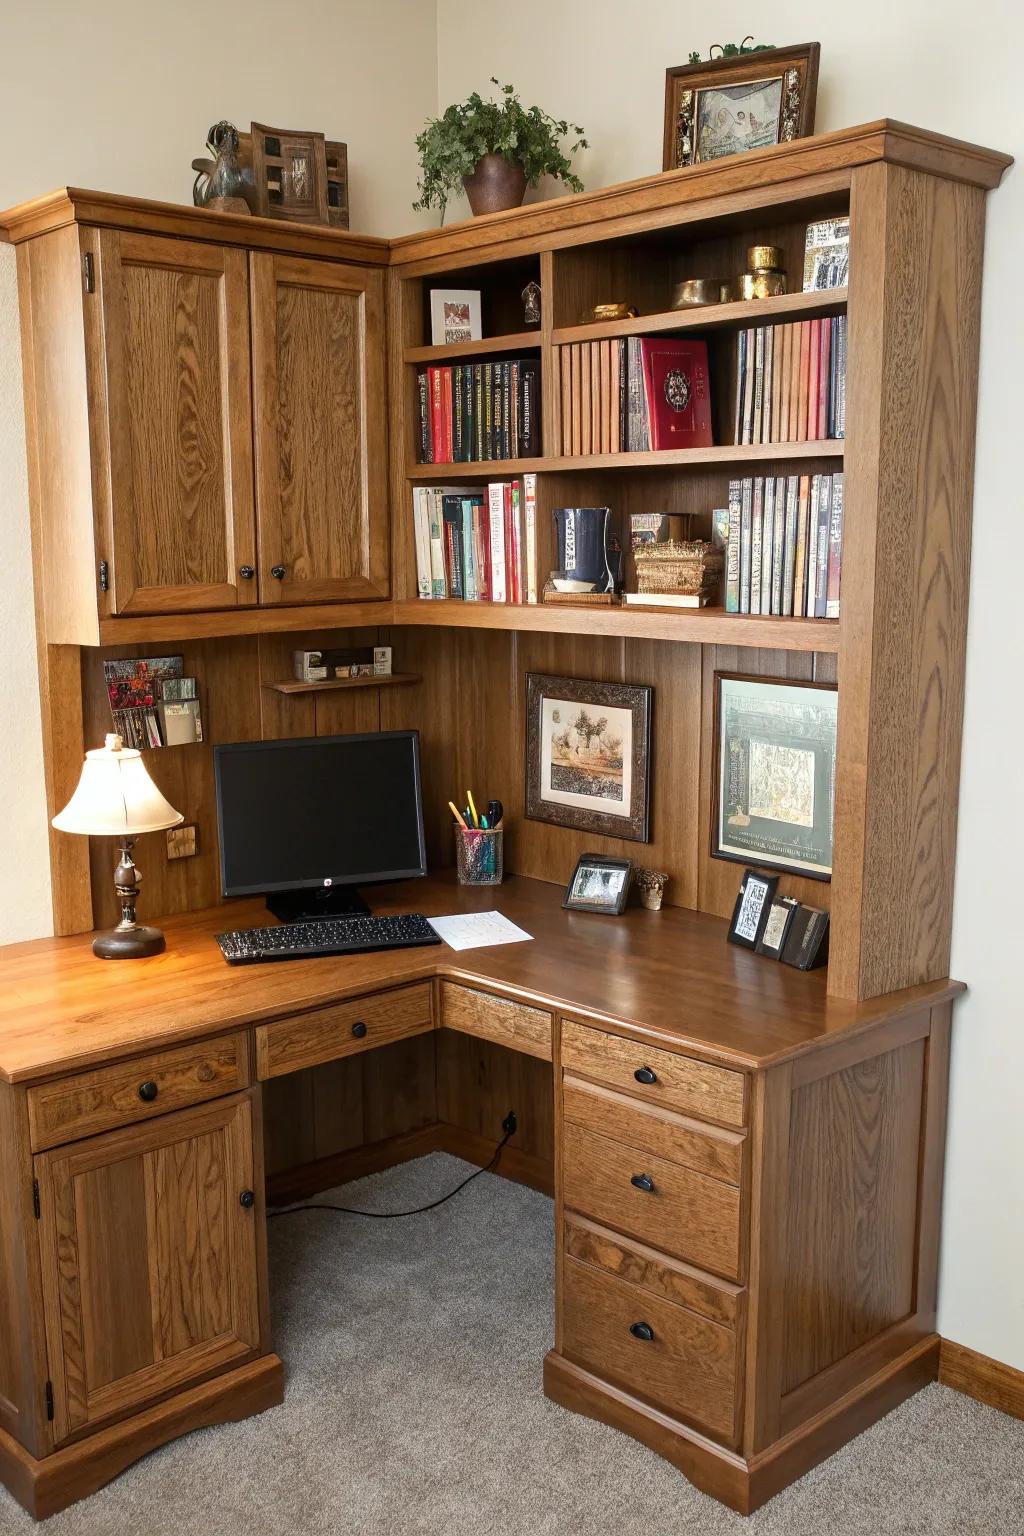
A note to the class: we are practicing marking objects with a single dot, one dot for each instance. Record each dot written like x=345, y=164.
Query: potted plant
x=495, y=150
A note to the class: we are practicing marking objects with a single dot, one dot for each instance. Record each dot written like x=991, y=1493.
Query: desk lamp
x=117, y=798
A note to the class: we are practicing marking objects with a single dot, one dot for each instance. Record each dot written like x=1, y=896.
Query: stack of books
x=475, y=412
x=477, y=545
x=634, y=394
x=784, y=545
x=791, y=381
x=152, y=703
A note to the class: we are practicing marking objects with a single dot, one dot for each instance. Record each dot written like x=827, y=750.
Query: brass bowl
x=759, y=285
x=612, y=312
x=765, y=257
x=699, y=290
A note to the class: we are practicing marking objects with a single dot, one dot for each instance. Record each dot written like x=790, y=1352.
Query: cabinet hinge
x=35, y=1199
x=104, y=576
x=49, y=1400
x=89, y=272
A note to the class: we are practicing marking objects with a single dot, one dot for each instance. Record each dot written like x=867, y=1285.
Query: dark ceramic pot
x=496, y=183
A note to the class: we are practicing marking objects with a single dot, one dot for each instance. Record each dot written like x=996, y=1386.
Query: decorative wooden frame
x=283, y=149
x=797, y=67
x=636, y=697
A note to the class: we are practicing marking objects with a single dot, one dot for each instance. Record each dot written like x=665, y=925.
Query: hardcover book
x=678, y=392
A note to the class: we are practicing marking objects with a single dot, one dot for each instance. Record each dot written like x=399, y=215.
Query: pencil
x=472, y=807
x=457, y=814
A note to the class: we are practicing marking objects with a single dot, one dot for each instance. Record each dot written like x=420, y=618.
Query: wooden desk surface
x=670, y=972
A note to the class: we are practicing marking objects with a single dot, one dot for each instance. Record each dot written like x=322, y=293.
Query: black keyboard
x=325, y=936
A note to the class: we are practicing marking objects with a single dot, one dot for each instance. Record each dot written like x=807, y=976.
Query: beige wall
x=602, y=64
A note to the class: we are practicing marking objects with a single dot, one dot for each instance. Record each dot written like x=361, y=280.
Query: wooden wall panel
x=478, y=1082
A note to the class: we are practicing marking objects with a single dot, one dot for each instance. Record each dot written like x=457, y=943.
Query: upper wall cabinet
x=320, y=430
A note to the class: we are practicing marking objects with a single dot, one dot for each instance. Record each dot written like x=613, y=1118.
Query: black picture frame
x=552, y=706
x=595, y=863
x=753, y=902
x=806, y=944
x=781, y=911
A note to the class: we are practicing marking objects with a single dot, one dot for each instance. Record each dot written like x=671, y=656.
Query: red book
x=824, y=374
x=511, y=590
x=437, y=437
x=800, y=435
x=446, y=400
x=678, y=392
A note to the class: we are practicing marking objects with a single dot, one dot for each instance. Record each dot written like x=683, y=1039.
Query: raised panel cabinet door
x=149, y=1260
x=168, y=345
x=320, y=430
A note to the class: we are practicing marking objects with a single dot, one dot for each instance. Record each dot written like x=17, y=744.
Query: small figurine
x=223, y=183
x=531, y=304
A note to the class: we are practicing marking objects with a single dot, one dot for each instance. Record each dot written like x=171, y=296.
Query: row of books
x=479, y=545
x=152, y=704
x=634, y=394
x=783, y=544
x=476, y=412
x=791, y=381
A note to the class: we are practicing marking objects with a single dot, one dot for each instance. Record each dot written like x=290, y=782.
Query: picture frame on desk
x=753, y=906
x=599, y=884
x=588, y=755
x=751, y=100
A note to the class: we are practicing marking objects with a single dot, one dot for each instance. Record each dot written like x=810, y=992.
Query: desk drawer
x=679, y=1082
x=146, y=1086
x=496, y=1018
x=683, y=1213
x=688, y=1365
x=325, y=1034
x=705, y=1148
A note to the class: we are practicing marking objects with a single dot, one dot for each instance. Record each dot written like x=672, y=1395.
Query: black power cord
x=509, y=1125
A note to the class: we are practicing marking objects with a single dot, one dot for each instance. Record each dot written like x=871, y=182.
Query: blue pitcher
x=583, y=564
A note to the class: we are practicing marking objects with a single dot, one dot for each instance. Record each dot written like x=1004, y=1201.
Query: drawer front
x=496, y=1018
x=325, y=1034
x=650, y=1128
x=668, y=1278
x=679, y=1082
x=101, y=1100
x=688, y=1365
x=683, y=1213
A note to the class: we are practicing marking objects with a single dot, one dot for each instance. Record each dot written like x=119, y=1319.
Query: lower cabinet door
x=149, y=1260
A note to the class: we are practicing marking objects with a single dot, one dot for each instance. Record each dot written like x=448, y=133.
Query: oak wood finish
x=344, y=1029
x=496, y=1018
x=704, y=1148
x=72, y=1107
x=987, y=1380
x=668, y=1277
x=680, y=1082
x=769, y=311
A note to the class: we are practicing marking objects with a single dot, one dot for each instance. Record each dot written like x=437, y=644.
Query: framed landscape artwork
x=773, y=800
x=588, y=753
x=743, y=101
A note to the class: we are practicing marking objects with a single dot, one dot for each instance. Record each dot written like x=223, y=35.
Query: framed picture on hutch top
x=741, y=101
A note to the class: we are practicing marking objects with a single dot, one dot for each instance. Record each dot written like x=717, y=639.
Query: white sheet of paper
x=475, y=930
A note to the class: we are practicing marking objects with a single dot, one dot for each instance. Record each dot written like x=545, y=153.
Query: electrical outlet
x=510, y=1124
x=181, y=842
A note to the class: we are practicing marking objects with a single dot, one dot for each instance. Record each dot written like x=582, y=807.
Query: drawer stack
x=653, y=1193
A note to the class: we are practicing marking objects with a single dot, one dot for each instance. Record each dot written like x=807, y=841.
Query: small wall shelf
x=329, y=684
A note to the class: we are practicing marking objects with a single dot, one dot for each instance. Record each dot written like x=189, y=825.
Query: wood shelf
x=517, y=341
x=702, y=626
x=329, y=684
x=742, y=312
x=725, y=453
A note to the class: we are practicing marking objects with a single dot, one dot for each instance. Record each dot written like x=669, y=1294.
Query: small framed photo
x=748, y=100
x=806, y=944
x=454, y=315
x=781, y=910
x=599, y=884
x=753, y=904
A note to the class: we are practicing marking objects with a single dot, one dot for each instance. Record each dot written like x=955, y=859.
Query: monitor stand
x=304, y=906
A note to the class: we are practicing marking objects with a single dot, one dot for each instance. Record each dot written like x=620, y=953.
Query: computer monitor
x=304, y=821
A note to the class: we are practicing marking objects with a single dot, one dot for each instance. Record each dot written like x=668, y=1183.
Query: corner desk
x=747, y=1178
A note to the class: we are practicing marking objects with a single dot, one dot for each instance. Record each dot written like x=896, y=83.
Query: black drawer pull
x=642, y=1331
x=645, y=1075
x=148, y=1092
x=643, y=1181
x=247, y=572
x=277, y=571
x=247, y=1199
x=359, y=1030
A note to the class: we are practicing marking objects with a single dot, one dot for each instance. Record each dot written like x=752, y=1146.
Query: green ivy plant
x=730, y=50
x=450, y=146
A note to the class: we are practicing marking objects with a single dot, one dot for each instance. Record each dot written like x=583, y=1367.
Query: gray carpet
x=414, y=1405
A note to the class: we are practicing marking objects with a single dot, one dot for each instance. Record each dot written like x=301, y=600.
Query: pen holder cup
x=479, y=856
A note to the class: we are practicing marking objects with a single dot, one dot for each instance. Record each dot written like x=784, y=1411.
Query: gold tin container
x=612, y=312
x=759, y=285
x=764, y=258
x=699, y=290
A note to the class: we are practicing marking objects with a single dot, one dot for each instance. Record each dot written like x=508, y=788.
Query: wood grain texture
x=669, y=1278
x=303, y=1040
x=650, y=1128
x=987, y=1380
x=89, y=1102
x=478, y=1082
x=681, y=1083
x=686, y=1214
x=499, y=1019
x=22, y=1335
x=916, y=274
x=689, y=1367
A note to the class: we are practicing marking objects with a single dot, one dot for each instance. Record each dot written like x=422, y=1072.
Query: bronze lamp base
x=129, y=940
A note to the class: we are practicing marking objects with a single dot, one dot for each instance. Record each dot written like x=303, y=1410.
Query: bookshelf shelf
x=478, y=469
x=786, y=306
x=725, y=453
x=330, y=684
x=520, y=341
x=703, y=626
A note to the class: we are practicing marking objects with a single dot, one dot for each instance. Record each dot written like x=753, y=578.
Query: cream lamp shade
x=116, y=796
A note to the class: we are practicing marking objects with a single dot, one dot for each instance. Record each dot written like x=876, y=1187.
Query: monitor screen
x=325, y=811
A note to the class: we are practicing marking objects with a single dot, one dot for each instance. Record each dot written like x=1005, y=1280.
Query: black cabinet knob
x=359, y=1030
x=643, y=1181
x=642, y=1331
x=247, y=1199
x=277, y=571
x=645, y=1075
x=148, y=1092
x=247, y=572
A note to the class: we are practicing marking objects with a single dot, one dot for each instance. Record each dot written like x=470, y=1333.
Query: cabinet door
x=149, y=1260
x=177, y=434
x=321, y=436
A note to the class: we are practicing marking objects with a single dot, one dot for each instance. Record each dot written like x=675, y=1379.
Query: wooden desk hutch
x=221, y=435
